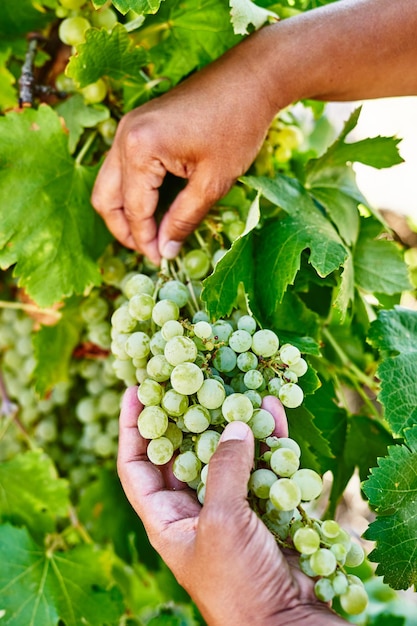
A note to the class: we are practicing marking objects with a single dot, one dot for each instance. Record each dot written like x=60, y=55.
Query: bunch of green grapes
x=277, y=150
x=194, y=378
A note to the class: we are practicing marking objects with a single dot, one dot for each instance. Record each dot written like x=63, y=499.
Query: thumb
x=230, y=466
x=187, y=211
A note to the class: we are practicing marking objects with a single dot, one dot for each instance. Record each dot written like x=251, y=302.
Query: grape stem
x=85, y=148
x=75, y=523
x=30, y=308
x=9, y=409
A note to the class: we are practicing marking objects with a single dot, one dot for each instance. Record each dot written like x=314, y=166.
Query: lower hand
x=221, y=553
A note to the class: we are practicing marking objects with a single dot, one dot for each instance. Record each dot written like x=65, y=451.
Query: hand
x=208, y=130
x=221, y=553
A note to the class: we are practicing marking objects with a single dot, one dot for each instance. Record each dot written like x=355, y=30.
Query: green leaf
x=19, y=18
x=292, y=316
x=280, y=243
x=378, y=264
x=8, y=96
x=315, y=450
x=48, y=228
x=31, y=492
x=392, y=490
x=195, y=32
x=40, y=587
x=78, y=115
x=108, y=517
x=395, y=332
x=221, y=287
x=138, y=6
x=245, y=12
x=113, y=54
x=53, y=348
x=378, y=152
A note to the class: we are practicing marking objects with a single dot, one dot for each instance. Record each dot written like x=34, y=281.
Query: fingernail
x=235, y=430
x=171, y=249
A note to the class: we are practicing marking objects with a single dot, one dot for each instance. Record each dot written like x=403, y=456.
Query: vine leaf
x=194, y=32
x=49, y=229
x=281, y=242
x=245, y=12
x=392, y=490
x=112, y=54
x=19, y=18
x=138, y=6
x=31, y=492
x=394, y=332
x=79, y=115
x=41, y=587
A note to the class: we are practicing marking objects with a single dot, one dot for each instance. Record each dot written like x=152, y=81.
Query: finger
x=141, y=185
x=230, y=466
x=188, y=209
x=276, y=408
x=107, y=198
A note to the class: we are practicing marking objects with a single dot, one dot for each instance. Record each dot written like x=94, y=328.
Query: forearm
x=349, y=50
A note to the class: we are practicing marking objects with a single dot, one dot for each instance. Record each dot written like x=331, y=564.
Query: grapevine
x=293, y=286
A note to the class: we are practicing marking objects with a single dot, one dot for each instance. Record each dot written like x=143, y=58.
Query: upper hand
x=207, y=130
x=221, y=553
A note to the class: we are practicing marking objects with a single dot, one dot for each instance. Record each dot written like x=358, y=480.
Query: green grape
x=174, y=434
x=265, y=343
x=254, y=397
x=174, y=403
x=305, y=566
x=260, y=482
x=180, y=349
x=206, y=445
x=309, y=482
x=196, y=264
x=104, y=445
x=285, y=494
x=354, y=556
x=171, y=328
x=159, y=369
x=354, y=600
x=137, y=345
x=109, y=403
x=291, y=395
x=137, y=283
x=141, y=306
x=158, y=343
x=200, y=316
x=247, y=361
x=122, y=321
x=246, y=322
x=94, y=309
x=306, y=540
x=165, y=310
x=107, y=129
x=234, y=229
x=330, y=529
x=186, y=466
x=196, y=418
x=211, y=394
x=324, y=590
x=175, y=291
x=300, y=367
x=340, y=583
x=104, y=18
x=286, y=442
x=125, y=371
x=237, y=407
x=201, y=493
x=222, y=331
x=94, y=92
x=152, y=422
x=86, y=410
x=160, y=450
x=240, y=341
x=289, y=354
x=72, y=30
x=150, y=392
x=253, y=379
x=224, y=359
x=284, y=462
x=340, y=552
x=186, y=378
x=262, y=423
x=323, y=562
x=99, y=334
x=203, y=329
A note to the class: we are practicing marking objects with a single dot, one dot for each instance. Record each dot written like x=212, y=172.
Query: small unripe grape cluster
x=277, y=150
x=196, y=376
